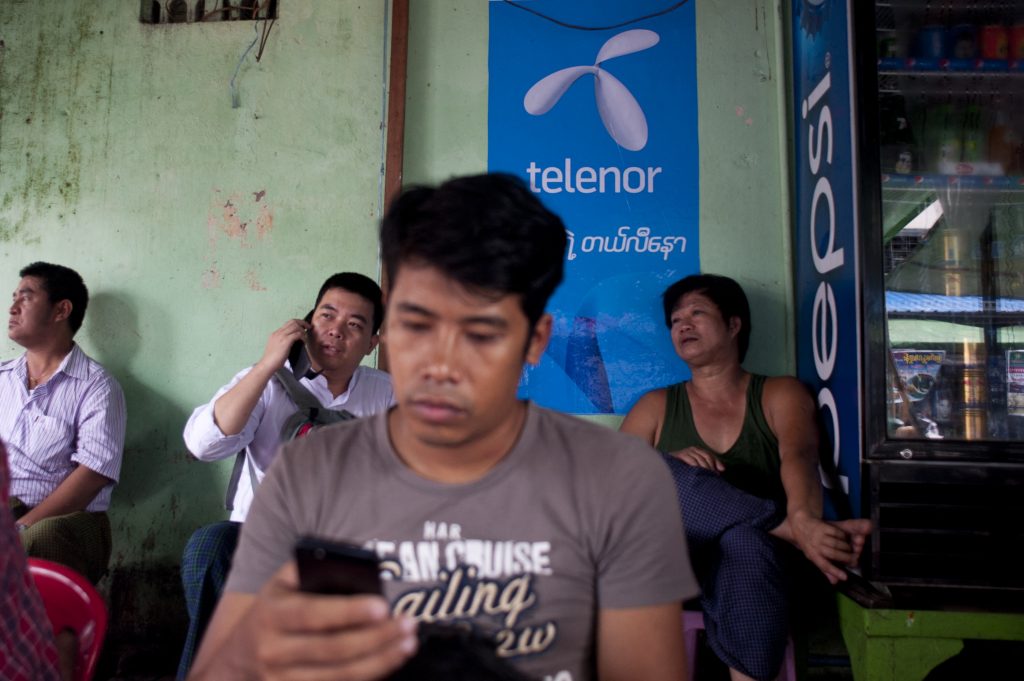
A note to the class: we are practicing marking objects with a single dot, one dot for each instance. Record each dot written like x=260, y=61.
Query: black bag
x=310, y=414
x=456, y=653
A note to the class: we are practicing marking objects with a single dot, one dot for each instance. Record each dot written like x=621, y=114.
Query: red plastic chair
x=693, y=621
x=73, y=603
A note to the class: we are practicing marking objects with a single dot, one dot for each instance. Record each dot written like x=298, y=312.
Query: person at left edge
x=63, y=418
x=28, y=651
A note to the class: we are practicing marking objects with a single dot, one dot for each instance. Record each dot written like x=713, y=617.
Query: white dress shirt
x=369, y=392
x=77, y=417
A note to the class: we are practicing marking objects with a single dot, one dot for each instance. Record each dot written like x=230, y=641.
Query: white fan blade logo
x=627, y=42
x=546, y=92
x=620, y=112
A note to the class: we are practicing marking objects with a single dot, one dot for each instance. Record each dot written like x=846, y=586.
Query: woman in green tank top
x=758, y=433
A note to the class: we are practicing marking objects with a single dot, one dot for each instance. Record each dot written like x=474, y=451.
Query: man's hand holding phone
x=281, y=341
x=298, y=634
x=232, y=410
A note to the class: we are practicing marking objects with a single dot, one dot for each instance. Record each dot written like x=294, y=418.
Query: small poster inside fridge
x=1015, y=382
x=918, y=370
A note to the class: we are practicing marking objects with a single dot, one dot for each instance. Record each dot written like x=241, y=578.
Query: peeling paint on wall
x=40, y=117
x=245, y=218
x=232, y=225
x=264, y=221
x=252, y=278
x=111, y=137
x=211, y=277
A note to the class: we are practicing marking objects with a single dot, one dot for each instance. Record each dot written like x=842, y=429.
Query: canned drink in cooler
x=995, y=42
x=931, y=42
x=945, y=128
x=1017, y=42
x=962, y=42
x=888, y=48
x=1003, y=140
x=975, y=140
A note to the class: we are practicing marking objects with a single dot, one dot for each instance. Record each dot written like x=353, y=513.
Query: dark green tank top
x=752, y=463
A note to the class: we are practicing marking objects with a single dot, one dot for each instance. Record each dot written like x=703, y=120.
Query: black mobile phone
x=298, y=357
x=329, y=567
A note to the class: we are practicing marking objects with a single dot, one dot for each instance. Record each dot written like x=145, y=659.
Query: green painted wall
x=198, y=227
x=744, y=195
x=121, y=156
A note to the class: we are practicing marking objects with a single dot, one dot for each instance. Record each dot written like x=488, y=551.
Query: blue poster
x=602, y=125
x=826, y=258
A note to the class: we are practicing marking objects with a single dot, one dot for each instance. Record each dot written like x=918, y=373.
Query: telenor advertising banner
x=602, y=125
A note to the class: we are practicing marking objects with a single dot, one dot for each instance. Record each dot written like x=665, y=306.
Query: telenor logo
x=620, y=112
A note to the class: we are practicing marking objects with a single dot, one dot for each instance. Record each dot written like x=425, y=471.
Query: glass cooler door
x=950, y=130
x=943, y=192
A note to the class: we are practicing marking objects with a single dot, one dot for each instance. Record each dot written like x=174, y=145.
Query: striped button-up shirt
x=75, y=418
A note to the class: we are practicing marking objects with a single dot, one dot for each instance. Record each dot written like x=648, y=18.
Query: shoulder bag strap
x=252, y=475
x=302, y=398
x=236, y=473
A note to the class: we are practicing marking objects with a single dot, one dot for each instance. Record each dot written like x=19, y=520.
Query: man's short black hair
x=725, y=293
x=61, y=283
x=361, y=285
x=489, y=233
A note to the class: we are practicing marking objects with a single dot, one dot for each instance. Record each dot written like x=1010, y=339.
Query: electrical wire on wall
x=236, y=100
x=579, y=27
x=268, y=24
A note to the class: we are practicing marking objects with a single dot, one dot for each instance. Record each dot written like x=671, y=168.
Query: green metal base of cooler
x=904, y=645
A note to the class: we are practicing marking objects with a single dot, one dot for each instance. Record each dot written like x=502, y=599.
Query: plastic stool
x=693, y=621
x=73, y=603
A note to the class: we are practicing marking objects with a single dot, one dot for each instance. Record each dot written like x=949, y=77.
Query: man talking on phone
x=558, y=538
x=248, y=414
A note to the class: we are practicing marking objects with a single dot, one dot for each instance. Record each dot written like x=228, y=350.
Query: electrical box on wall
x=192, y=11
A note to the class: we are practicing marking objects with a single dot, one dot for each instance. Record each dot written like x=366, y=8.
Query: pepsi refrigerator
x=908, y=118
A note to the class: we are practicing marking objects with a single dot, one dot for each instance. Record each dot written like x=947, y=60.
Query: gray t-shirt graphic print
x=574, y=519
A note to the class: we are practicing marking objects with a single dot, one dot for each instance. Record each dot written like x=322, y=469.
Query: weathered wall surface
x=198, y=227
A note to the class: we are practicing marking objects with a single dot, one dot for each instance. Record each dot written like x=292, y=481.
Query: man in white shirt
x=248, y=414
x=63, y=419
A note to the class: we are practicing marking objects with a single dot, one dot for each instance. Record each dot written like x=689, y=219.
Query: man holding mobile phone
x=325, y=350
x=560, y=539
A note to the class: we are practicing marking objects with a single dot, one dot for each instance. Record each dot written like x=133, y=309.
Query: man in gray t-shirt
x=572, y=519
x=559, y=538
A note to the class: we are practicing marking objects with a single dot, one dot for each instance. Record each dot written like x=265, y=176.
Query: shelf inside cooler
x=917, y=66
x=927, y=305
x=930, y=181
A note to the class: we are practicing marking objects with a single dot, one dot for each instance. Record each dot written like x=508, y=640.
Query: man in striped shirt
x=63, y=419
